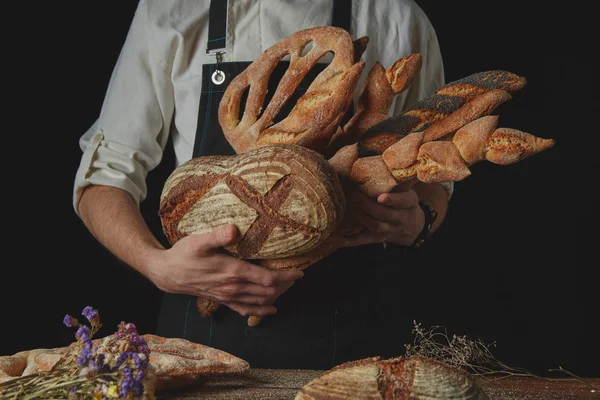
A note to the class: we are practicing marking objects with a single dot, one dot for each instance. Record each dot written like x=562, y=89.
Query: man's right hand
x=196, y=266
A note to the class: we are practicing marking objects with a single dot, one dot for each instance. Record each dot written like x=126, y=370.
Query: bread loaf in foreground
x=284, y=200
x=400, y=378
x=178, y=362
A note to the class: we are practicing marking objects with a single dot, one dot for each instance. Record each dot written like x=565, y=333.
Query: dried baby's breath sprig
x=472, y=355
x=116, y=368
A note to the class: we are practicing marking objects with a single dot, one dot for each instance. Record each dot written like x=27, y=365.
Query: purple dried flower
x=138, y=388
x=130, y=327
x=122, y=358
x=141, y=363
x=91, y=314
x=127, y=383
x=83, y=334
x=85, y=356
x=70, y=321
x=100, y=365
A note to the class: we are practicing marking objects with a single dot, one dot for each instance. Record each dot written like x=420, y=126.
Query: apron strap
x=217, y=26
x=341, y=17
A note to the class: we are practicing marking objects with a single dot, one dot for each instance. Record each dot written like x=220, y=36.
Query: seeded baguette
x=434, y=111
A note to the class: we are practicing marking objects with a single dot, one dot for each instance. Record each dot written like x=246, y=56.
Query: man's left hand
x=393, y=218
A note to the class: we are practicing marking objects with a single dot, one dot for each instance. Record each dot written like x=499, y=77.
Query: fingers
x=399, y=200
x=373, y=225
x=375, y=210
x=263, y=276
x=220, y=237
x=259, y=300
x=247, y=309
x=232, y=290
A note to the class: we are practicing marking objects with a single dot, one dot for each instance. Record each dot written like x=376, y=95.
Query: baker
x=174, y=67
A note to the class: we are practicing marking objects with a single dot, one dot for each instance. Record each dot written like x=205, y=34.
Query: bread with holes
x=317, y=113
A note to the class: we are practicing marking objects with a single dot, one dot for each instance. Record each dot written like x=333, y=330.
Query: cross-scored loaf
x=284, y=200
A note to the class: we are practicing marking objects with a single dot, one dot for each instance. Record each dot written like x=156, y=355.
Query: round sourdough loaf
x=284, y=200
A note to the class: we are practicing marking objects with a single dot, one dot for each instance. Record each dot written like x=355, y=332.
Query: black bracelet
x=430, y=217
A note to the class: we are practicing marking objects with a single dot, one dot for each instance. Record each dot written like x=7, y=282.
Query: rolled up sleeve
x=128, y=138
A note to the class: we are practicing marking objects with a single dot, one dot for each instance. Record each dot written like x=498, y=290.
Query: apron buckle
x=218, y=77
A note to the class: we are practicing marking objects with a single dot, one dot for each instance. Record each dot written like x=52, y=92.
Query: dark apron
x=346, y=307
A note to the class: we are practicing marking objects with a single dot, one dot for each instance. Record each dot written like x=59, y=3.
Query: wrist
x=429, y=217
x=150, y=261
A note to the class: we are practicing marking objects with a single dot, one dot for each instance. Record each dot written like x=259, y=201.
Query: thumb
x=219, y=237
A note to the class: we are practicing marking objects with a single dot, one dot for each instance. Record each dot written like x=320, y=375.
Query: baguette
x=435, y=109
x=375, y=99
x=446, y=160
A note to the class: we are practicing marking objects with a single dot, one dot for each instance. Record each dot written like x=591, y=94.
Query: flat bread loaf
x=178, y=362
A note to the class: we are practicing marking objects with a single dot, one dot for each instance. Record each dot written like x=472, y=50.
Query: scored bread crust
x=400, y=378
x=325, y=100
x=284, y=200
x=375, y=99
x=177, y=362
x=446, y=101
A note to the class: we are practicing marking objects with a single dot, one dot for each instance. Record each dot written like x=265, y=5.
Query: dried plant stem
x=473, y=355
x=577, y=378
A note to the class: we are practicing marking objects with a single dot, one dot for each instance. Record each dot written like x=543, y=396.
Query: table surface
x=285, y=384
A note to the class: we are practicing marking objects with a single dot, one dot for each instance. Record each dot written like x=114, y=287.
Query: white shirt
x=155, y=87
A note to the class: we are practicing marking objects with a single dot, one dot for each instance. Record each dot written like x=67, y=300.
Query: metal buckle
x=218, y=77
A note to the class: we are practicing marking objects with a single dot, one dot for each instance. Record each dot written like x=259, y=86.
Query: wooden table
x=285, y=384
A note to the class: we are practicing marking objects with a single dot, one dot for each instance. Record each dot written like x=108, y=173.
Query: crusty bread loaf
x=375, y=99
x=284, y=200
x=325, y=101
x=177, y=362
x=434, y=111
x=400, y=378
x=414, y=159
x=180, y=362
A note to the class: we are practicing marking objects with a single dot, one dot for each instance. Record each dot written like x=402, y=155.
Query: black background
x=513, y=263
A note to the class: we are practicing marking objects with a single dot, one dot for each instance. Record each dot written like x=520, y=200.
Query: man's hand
x=196, y=266
x=394, y=218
